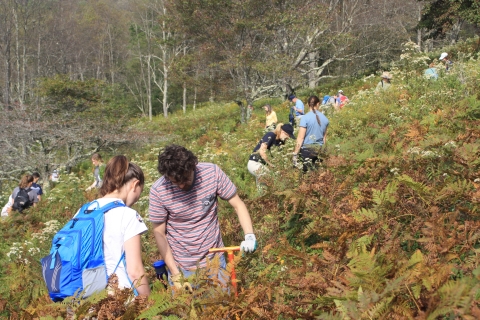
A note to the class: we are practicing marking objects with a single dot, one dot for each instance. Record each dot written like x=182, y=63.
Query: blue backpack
x=76, y=263
x=325, y=99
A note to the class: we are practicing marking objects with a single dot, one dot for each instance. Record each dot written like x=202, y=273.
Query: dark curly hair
x=176, y=163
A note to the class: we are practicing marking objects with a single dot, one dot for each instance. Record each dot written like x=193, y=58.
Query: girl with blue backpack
x=124, y=181
x=103, y=238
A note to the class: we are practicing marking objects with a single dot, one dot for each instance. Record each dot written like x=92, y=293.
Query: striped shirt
x=192, y=226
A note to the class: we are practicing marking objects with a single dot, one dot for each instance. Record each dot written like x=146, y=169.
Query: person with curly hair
x=183, y=211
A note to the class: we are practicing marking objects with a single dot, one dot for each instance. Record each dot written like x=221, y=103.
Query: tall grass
x=387, y=228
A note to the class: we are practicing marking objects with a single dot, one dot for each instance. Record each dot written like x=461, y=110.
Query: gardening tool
x=229, y=251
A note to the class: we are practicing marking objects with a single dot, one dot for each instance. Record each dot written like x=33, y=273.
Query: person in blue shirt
x=431, y=73
x=35, y=186
x=297, y=110
x=312, y=135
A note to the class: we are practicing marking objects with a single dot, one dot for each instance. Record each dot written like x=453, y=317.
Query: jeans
x=309, y=156
x=222, y=274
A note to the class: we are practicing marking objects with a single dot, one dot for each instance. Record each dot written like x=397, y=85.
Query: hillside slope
x=387, y=228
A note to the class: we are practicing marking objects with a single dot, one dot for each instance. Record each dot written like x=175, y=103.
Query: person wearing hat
x=384, y=84
x=298, y=110
x=312, y=135
x=258, y=161
x=342, y=99
x=445, y=59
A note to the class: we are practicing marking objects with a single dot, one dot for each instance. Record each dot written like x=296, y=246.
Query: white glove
x=250, y=243
x=295, y=159
x=180, y=283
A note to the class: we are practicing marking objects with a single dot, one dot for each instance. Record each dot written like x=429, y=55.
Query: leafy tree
x=73, y=120
x=440, y=16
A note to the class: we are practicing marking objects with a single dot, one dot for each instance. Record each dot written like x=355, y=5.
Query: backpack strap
x=122, y=258
x=105, y=208
x=111, y=205
x=135, y=292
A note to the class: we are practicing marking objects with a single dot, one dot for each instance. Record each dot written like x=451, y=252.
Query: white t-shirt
x=55, y=177
x=9, y=204
x=121, y=224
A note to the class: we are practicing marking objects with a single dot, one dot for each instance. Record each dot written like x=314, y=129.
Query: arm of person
x=8, y=207
x=242, y=213
x=135, y=270
x=159, y=232
x=91, y=186
x=299, y=110
x=263, y=153
x=325, y=136
x=32, y=195
x=274, y=118
x=300, y=138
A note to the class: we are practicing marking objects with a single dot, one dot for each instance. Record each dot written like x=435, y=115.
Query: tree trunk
x=39, y=50
x=8, y=73
x=111, y=55
x=149, y=87
x=165, y=87
x=243, y=111
x=184, y=97
x=194, y=98
x=312, y=77
x=419, y=30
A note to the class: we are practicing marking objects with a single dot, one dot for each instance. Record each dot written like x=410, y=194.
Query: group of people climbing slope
x=24, y=196
x=432, y=73
x=28, y=192
x=182, y=211
x=311, y=137
x=183, y=202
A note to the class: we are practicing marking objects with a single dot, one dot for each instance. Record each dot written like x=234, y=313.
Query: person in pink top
x=183, y=211
x=341, y=100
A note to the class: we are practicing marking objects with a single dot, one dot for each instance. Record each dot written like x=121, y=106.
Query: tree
x=74, y=120
x=156, y=47
x=441, y=16
x=238, y=39
x=267, y=48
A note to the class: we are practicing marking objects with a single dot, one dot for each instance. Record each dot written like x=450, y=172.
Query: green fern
x=387, y=195
x=359, y=246
x=379, y=310
x=423, y=191
x=365, y=215
x=454, y=190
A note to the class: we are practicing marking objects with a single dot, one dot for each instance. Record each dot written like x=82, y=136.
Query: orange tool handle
x=233, y=275
x=224, y=249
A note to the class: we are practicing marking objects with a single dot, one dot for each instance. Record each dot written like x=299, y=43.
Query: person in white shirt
x=124, y=181
x=55, y=176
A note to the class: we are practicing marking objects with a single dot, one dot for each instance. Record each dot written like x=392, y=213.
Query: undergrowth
x=386, y=228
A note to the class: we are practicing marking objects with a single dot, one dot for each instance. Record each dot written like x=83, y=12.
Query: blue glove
x=250, y=243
